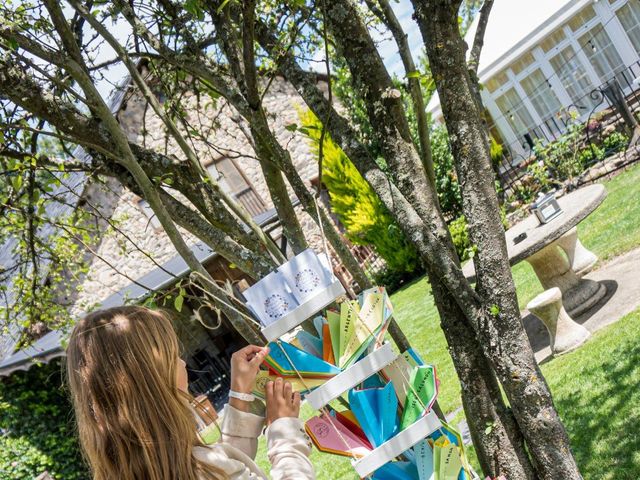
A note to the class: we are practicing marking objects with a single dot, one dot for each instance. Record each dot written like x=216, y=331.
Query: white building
x=546, y=56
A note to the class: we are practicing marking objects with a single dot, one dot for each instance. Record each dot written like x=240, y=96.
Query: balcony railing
x=518, y=155
x=250, y=200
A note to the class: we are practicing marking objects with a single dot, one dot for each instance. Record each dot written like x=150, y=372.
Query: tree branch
x=478, y=39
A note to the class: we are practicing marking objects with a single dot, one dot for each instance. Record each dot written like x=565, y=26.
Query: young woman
x=129, y=390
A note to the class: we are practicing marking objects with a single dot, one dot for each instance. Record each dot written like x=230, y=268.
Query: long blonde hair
x=133, y=421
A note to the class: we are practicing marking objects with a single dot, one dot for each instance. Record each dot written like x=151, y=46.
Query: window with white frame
x=237, y=184
x=542, y=96
x=516, y=113
x=573, y=76
x=580, y=20
x=629, y=16
x=522, y=63
x=497, y=81
x=552, y=41
x=601, y=52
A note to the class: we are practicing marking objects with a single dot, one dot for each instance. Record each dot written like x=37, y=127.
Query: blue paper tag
x=396, y=471
x=424, y=460
x=376, y=411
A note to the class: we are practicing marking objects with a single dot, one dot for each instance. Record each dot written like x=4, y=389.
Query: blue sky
x=386, y=46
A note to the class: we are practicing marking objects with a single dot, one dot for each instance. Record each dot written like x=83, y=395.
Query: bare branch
x=478, y=39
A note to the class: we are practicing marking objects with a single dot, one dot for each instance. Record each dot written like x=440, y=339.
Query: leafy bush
x=562, y=156
x=614, y=143
x=460, y=236
x=496, y=151
x=590, y=155
x=446, y=179
x=362, y=213
x=36, y=427
x=392, y=280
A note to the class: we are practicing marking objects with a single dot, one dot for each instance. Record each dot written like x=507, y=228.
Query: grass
x=596, y=388
x=597, y=393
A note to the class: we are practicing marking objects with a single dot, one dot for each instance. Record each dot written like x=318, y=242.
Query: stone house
x=134, y=257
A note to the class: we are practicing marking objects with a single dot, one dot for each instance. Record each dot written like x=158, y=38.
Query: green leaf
x=17, y=182
x=489, y=428
x=178, y=302
x=292, y=127
x=414, y=74
x=495, y=310
x=194, y=8
x=12, y=44
x=222, y=5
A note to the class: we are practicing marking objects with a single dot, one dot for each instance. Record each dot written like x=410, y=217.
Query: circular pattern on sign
x=321, y=430
x=307, y=280
x=276, y=305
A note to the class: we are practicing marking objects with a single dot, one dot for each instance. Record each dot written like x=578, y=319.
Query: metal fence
x=612, y=106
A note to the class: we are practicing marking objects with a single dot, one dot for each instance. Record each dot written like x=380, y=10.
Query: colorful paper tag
x=376, y=411
x=424, y=460
x=323, y=431
x=421, y=394
x=282, y=354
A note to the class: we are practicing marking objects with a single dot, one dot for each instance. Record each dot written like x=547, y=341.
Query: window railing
x=250, y=200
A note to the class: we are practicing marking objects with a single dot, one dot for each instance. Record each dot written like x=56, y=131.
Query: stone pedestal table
x=564, y=333
x=545, y=245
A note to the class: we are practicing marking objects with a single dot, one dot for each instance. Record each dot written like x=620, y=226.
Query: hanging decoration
x=389, y=429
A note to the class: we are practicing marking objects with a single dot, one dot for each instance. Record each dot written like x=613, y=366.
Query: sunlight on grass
x=597, y=393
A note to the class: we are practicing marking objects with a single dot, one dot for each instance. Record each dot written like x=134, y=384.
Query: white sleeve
x=241, y=430
x=288, y=448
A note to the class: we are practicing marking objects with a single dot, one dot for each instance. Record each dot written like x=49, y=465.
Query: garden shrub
x=36, y=427
x=363, y=215
x=615, y=142
x=460, y=236
x=589, y=155
x=446, y=179
x=562, y=156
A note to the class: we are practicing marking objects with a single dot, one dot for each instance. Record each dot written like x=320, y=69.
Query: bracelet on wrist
x=247, y=397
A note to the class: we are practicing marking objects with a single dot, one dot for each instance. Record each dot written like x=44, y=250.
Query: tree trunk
x=511, y=352
x=383, y=10
x=286, y=213
x=496, y=438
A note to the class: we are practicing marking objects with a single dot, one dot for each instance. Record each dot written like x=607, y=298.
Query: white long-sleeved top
x=288, y=448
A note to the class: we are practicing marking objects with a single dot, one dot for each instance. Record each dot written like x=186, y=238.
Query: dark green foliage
x=392, y=280
x=460, y=236
x=364, y=216
x=446, y=178
x=614, y=143
x=36, y=427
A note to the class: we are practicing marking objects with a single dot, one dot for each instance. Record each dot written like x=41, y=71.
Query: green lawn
x=597, y=393
x=596, y=388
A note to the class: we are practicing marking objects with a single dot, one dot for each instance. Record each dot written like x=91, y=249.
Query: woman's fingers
x=269, y=390
x=287, y=392
x=249, y=351
x=278, y=388
x=259, y=356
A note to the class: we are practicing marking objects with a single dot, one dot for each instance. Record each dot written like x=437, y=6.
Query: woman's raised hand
x=282, y=402
x=245, y=364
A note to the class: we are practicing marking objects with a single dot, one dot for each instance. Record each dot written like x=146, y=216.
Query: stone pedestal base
x=581, y=260
x=564, y=333
x=554, y=270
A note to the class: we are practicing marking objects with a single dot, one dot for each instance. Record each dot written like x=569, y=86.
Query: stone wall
x=119, y=259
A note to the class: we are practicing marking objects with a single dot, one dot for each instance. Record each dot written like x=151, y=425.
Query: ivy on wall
x=37, y=430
